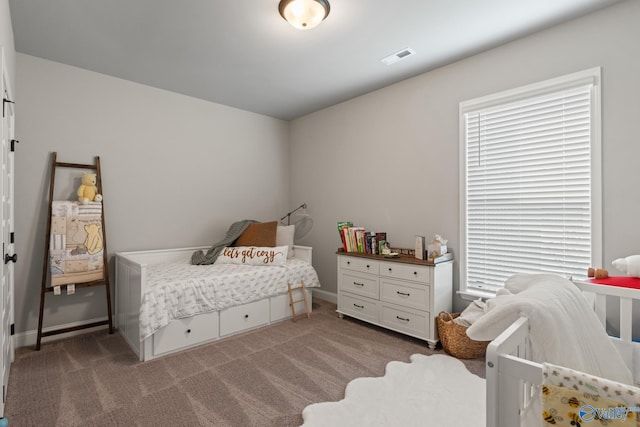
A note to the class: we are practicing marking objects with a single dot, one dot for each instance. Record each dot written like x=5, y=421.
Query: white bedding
x=564, y=329
x=178, y=290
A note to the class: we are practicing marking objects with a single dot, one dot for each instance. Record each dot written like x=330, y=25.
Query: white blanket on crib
x=178, y=290
x=564, y=329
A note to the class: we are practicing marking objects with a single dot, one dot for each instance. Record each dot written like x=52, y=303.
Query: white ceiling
x=241, y=53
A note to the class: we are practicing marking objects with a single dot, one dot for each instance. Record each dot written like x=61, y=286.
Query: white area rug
x=431, y=391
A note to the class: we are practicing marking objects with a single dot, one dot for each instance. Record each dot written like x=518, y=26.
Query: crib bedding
x=179, y=290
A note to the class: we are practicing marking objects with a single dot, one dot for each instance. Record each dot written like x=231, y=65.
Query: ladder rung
x=292, y=302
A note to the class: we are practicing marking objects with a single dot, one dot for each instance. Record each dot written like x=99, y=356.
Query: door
x=6, y=224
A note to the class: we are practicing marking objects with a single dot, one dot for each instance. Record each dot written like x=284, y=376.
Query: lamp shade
x=304, y=14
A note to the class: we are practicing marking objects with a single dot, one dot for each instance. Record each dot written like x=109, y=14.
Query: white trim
x=29, y=338
x=590, y=76
x=596, y=169
x=580, y=78
x=472, y=295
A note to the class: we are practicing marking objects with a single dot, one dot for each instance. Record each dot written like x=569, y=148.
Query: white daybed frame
x=181, y=334
x=513, y=379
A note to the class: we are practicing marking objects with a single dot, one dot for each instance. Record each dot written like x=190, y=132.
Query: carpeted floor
x=260, y=378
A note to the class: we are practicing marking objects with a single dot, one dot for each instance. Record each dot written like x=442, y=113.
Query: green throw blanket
x=235, y=231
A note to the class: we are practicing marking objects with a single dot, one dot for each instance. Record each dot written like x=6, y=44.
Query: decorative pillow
x=258, y=234
x=284, y=237
x=253, y=255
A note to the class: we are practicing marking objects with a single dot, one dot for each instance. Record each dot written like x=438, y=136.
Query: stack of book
x=358, y=239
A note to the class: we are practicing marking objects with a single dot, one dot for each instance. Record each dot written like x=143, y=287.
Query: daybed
x=164, y=304
x=515, y=382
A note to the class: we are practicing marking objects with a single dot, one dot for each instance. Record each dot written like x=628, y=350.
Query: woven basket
x=454, y=338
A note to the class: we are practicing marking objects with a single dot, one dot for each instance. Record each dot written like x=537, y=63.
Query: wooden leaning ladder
x=292, y=302
x=104, y=281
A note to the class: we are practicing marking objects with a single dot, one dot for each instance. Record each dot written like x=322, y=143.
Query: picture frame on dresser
x=403, y=294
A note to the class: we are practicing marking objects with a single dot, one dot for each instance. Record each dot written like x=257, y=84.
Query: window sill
x=471, y=295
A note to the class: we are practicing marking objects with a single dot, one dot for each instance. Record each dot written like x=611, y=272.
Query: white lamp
x=304, y=14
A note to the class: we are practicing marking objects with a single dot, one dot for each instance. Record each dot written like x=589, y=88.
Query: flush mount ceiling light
x=304, y=14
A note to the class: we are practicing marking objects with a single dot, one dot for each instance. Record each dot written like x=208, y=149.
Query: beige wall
x=177, y=171
x=388, y=160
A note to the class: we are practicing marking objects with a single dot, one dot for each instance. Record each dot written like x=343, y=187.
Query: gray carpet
x=260, y=378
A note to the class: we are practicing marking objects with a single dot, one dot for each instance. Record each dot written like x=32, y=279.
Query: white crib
x=513, y=379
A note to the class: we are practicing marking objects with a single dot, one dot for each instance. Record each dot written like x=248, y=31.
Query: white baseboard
x=326, y=296
x=29, y=338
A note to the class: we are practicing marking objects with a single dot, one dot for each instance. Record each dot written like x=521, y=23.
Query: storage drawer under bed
x=182, y=333
x=243, y=317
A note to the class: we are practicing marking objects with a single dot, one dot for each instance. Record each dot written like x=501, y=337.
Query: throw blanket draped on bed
x=235, y=231
x=564, y=329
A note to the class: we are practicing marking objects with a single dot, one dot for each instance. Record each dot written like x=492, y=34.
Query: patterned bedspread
x=178, y=290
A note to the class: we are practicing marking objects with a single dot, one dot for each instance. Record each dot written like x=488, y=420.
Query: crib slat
x=601, y=308
x=625, y=319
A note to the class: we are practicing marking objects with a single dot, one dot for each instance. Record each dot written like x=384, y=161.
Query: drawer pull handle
x=368, y=266
x=188, y=331
x=358, y=306
x=389, y=270
x=415, y=273
x=403, y=293
x=402, y=318
x=348, y=262
x=246, y=316
x=358, y=284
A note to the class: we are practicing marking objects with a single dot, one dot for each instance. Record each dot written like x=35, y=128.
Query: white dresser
x=403, y=294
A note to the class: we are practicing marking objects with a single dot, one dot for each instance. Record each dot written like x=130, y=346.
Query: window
x=530, y=182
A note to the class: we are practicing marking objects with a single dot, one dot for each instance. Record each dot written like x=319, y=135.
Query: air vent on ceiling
x=398, y=56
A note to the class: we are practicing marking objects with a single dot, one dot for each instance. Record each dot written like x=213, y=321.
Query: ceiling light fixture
x=304, y=14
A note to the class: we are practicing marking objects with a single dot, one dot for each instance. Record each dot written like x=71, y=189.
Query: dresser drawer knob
x=358, y=306
x=402, y=318
x=246, y=316
x=415, y=273
x=389, y=269
x=348, y=262
x=403, y=293
x=368, y=266
x=358, y=284
x=188, y=331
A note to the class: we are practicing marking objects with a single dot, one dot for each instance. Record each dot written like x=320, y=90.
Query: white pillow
x=253, y=255
x=284, y=237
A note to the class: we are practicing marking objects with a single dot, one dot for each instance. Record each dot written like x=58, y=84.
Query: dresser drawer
x=357, y=306
x=182, y=333
x=396, y=270
x=246, y=316
x=362, y=284
x=360, y=264
x=405, y=293
x=401, y=319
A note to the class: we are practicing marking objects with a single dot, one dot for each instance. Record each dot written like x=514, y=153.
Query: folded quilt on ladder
x=76, y=244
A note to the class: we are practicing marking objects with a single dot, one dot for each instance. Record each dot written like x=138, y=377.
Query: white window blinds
x=527, y=200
